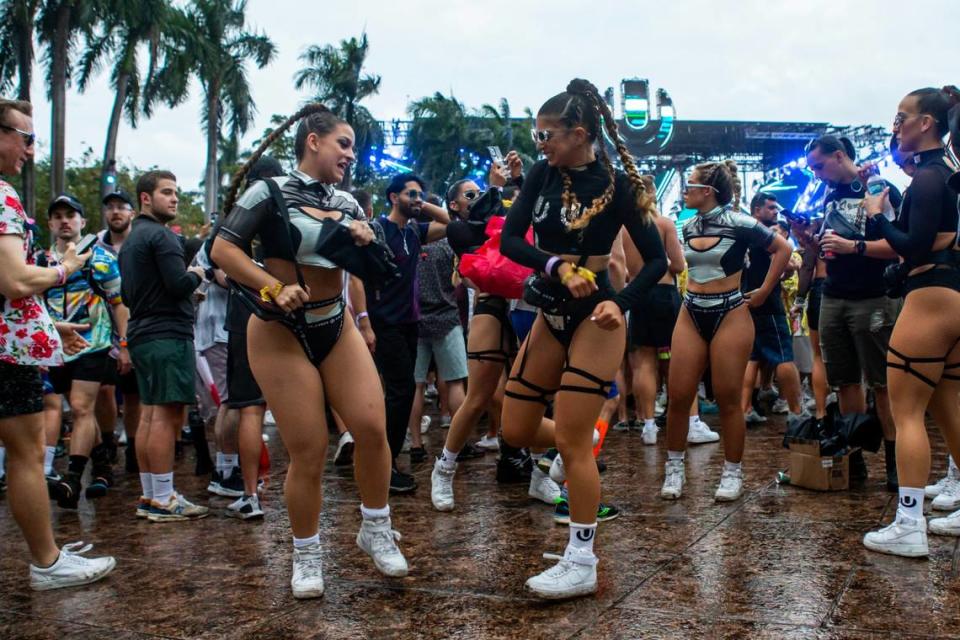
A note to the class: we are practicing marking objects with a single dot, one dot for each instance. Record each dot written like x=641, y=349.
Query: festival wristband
x=270, y=292
x=573, y=271
x=61, y=275
x=552, y=264
x=361, y=316
x=123, y=343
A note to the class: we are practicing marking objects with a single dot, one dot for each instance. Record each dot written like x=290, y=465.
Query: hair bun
x=579, y=86
x=952, y=93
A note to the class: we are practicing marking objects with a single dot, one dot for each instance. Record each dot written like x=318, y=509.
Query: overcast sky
x=837, y=61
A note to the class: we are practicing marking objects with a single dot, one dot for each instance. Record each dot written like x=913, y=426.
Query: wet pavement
x=782, y=562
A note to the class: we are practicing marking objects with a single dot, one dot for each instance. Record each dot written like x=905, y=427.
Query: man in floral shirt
x=90, y=296
x=29, y=340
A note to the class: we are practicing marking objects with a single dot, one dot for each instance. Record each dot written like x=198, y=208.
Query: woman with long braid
x=577, y=203
x=714, y=325
x=312, y=356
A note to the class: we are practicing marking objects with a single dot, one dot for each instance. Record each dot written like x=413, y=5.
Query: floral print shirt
x=27, y=334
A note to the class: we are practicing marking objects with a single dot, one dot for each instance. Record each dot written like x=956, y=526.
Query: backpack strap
x=281, y=205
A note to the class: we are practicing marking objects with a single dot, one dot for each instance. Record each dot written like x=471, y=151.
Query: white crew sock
x=693, y=421
x=146, y=484
x=48, y=455
x=911, y=503
x=230, y=462
x=676, y=455
x=582, y=536
x=649, y=423
x=162, y=487
x=373, y=514
x=220, y=463
x=300, y=543
x=3, y=456
x=448, y=459
x=732, y=466
x=952, y=469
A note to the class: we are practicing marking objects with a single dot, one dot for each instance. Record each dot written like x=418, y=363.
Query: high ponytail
x=582, y=105
x=725, y=178
x=240, y=176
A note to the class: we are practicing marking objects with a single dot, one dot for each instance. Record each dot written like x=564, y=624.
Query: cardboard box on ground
x=810, y=470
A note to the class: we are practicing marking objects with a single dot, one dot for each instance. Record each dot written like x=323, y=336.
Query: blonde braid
x=237, y=181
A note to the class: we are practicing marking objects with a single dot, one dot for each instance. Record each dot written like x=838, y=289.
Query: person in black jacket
x=577, y=203
x=157, y=286
x=923, y=359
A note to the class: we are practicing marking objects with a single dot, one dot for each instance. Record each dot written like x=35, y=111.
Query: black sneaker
x=68, y=491
x=601, y=466
x=546, y=460
x=401, y=482
x=232, y=487
x=858, y=467
x=514, y=468
x=469, y=452
x=101, y=480
x=53, y=485
x=417, y=455
x=3, y=483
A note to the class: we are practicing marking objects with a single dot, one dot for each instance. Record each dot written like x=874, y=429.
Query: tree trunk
x=58, y=92
x=110, y=148
x=25, y=73
x=347, y=181
x=211, y=180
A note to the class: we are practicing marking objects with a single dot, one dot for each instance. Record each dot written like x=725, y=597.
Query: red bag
x=489, y=270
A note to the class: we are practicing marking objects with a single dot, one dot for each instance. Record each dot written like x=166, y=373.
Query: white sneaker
x=752, y=417
x=780, y=407
x=700, y=433
x=949, y=498
x=558, y=473
x=542, y=487
x=441, y=487
x=731, y=486
x=345, y=447
x=948, y=526
x=71, y=569
x=445, y=422
x=574, y=575
x=245, y=508
x=649, y=434
x=380, y=542
x=673, y=480
x=307, y=580
x=935, y=489
x=407, y=443
x=660, y=405
x=430, y=391
x=424, y=424
x=488, y=443
x=903, y=537
x=268, y=419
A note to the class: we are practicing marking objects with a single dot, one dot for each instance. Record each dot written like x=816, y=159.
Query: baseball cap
x=68, y=200
x=120, y=195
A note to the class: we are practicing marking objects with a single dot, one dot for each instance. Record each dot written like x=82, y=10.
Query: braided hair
x=313, y=118
x=582, y=106
x=724, y=177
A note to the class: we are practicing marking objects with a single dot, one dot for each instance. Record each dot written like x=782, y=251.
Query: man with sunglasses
x=393, y=310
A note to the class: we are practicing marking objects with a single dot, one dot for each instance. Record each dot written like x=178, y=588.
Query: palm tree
x=123, y=27
x=209, y=40
x=438, y=137
x=336, y=74
x=59, y=24
x=16, y=57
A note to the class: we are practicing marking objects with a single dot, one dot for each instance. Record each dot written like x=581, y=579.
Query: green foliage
x=83, y=182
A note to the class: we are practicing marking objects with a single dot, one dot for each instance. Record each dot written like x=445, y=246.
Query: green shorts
x=166, y=370
x=853, y=339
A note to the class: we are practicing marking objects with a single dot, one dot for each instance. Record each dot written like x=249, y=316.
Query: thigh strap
x=602, y=389
x=542, y=394
x=908, y=361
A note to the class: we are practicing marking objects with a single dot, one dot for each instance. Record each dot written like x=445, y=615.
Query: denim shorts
x=449, y=352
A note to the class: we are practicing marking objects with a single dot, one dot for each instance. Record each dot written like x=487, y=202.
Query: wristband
x=123, y=343
x=361, y=316
x=61, y=275
x=552, y=265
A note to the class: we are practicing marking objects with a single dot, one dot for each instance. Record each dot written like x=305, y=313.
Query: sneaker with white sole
x=542, y=487
x=71, y=569
x=307, y=579
x=673, y=480
x=380, y=542
x=441, y=486
x=558, y=473
x=935, y=489
x=345, y=446
x=949, y=498
x=731, y=486
x=946, y=526
x=780, y=407
x=425, y=424
x=245, y=508
x=574, y=575
x=752, y=417
x=903, y=537
x=700, y=433
x=649, y=434
x=488, y=443
x=623, y=425
x=178, y=509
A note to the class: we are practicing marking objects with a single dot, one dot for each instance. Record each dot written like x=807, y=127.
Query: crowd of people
x=554, y=307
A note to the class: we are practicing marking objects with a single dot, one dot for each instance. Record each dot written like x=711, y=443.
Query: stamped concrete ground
x=780, y=563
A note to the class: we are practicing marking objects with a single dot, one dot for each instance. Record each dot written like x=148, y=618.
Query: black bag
x=249, y=296
x=547, y=292
x=372, y=263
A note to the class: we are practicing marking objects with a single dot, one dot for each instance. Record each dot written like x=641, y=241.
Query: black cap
x=119, y=195
x=66, y=199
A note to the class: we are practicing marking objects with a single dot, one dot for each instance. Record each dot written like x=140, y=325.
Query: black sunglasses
x=28, y=138
x=414, y=194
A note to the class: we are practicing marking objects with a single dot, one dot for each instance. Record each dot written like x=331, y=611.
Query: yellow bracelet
x=566, y=278
x=270, y=292
x=586, y=274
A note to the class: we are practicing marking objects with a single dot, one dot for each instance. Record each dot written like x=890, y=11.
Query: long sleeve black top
x=540, y=204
